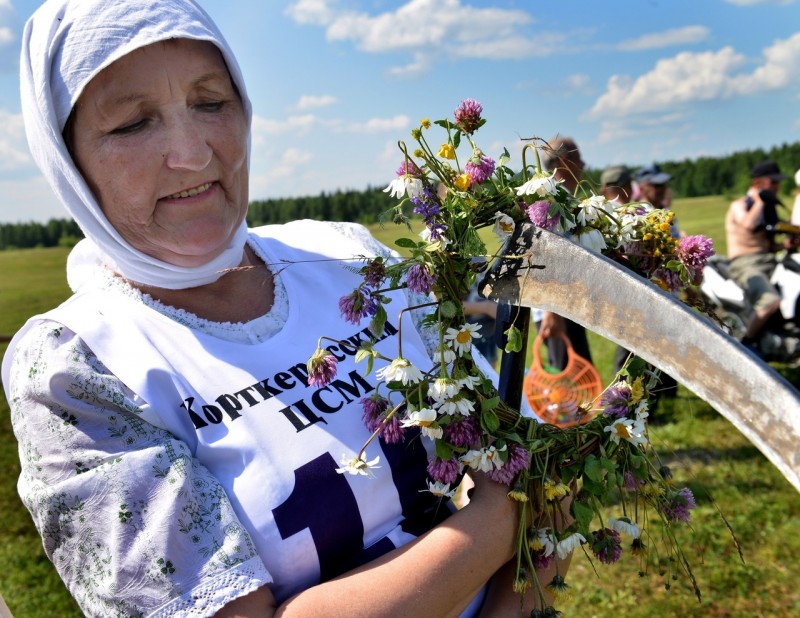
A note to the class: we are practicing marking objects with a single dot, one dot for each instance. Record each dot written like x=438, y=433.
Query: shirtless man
x=751, y=248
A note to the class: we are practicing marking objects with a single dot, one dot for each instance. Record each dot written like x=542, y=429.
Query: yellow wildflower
x=552, y=490
x=426, y=123
x=446, y=151
x=637, y=390
x=461, y=182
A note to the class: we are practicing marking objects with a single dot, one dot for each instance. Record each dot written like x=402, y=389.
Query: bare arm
x=469, y=547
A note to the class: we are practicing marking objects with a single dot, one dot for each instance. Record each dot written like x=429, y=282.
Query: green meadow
x=725, y=472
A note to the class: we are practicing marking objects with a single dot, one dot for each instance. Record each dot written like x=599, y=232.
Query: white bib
x=272, y=441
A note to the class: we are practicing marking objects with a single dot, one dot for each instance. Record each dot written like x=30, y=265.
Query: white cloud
x=380, y=125
x=297, y=125
x=14, y=154
x=6, y=36
x=578, y=83
x=314, y=102
x=682, y=79
x=668, y=38
x=445, y=25
x=690, y=77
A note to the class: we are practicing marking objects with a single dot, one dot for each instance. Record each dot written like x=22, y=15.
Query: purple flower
x=426, y=204
x=392, y=432
x=667, y=279
x=540, y=561
x=464, y=431
x=479, y=171
x=679, y=504
x=436, y=231
x=615, y=400
x=444, y=470
x=518, y=459
x=374, y=273
x=357, y=305
x=468, y=115
x=419, y=279
x=606, y=545
x=538, y=213
x=373, y=406
x=409, y=168
x=630, y=482
x=321, y=368
x=693, y=252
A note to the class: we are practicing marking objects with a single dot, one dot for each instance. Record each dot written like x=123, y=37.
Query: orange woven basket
x=567, y=398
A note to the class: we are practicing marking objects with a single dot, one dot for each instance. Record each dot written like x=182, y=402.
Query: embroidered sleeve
x=134, y=524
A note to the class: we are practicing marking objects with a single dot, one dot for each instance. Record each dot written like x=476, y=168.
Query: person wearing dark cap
x=654, y=186
x=616, y=184
x=751, y=247
x=562, y=157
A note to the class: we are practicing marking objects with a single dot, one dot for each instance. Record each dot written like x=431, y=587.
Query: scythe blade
x=545, y=270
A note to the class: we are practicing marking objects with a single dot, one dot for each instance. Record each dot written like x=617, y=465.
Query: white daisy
x=591, y=239
x=543, y=541
x=461, y=338
x=425, y=419
x=443, y=388
x=439, y=489
x=624, y=525
x=357, y=466
x=469, y=382
x=444, y=355
x=425, y=234
x=541, y=184
x=400, y=370
x=457, y=405
x=566, y=546
x=403, y=185
x=485, y=459
x=591, y=209
x=503, y=225
x=627, y=429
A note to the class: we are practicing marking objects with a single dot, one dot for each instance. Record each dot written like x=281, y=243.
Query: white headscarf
x=65, y=44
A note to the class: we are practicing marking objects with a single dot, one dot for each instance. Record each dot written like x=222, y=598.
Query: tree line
x=728, y=176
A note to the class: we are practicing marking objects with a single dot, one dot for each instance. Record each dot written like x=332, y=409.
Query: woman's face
x=161, y=138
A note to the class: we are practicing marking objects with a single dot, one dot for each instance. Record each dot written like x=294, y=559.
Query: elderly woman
x=174, y=457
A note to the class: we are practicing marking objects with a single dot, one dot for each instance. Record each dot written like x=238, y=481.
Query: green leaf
x=513, y=339
x=407, y=243
x=487, y=405
x=592, y=469
x=582, y=513
x=378, y=321
x=443, y=449
x=490, y=422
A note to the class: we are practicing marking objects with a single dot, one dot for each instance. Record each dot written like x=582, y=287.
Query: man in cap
x=616, y=184
x=654, y=187
x=751, y=246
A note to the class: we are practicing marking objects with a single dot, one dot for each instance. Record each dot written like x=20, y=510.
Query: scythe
x=545, y=270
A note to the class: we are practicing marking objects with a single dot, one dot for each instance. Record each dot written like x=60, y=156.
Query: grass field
x=705, y=451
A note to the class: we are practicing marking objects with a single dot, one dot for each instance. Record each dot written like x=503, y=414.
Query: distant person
x=616, y=184
x=751, y=246
x=655, y=190
x=563, y=158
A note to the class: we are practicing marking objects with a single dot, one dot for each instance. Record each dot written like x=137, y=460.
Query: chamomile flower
x=456, y=405
x=400, y=370
x=425, y=419
x=443, y=388
x=461, y=338
x=485, y=459
x=404, y=184
x=591, y=209
x=566, y=546
x=469, y=382
x=541, y=184
x=440, y=490
x=357, y=466
x=503, y=225
x=627, y=429
x=625, y=526
x=444, y=354
x=591, y=239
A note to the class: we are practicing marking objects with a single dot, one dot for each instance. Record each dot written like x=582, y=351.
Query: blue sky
x=336, y=83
